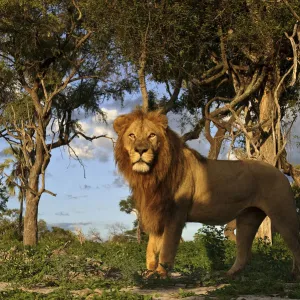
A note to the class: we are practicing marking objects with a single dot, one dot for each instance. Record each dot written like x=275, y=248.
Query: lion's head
x=142, y=137
x=150, y=157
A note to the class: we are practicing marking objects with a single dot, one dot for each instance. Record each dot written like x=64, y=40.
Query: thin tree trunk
x=142, y=78
x=216, y=143
x=33, y=195
x=267, y=148
x=30, y=236
x=20, y=225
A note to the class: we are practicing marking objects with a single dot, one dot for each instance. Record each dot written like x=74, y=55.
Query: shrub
x=192, y=258
x=214, y=242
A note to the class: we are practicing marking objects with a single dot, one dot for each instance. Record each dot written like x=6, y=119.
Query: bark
x=267, y=149
x=34, y=191
x=296, y=175
x=216, y=143
x=142, y=73
x=20, y=225
x=30, y=236
x=143, y=87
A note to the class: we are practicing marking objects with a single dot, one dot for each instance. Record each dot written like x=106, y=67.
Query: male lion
x=173, y=184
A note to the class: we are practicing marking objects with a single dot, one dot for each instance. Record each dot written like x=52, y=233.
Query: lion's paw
x=155, y=274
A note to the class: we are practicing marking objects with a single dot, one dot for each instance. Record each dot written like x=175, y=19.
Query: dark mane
x=154, y=191
x=199, y=156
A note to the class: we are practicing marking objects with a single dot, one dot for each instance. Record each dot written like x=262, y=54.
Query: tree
x=17, y=179
x=50, y=69
x=128, y=206
x=233, y=64
x=9, y=225
x=117, y=232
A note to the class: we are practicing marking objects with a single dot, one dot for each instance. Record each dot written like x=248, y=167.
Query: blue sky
x=93, y=202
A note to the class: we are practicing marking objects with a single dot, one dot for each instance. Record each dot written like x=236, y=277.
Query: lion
x=173, y=184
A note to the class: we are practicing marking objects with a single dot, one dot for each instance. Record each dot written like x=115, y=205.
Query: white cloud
x=82, y=151
x=111, y=114
x=102, y=148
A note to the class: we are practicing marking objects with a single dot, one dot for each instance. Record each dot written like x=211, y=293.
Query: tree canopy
x=51, y=68
x=231, y=67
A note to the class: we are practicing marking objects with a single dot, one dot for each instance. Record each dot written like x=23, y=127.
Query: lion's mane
x=153, y=192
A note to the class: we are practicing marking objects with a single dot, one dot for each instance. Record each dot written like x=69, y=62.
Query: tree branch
x=291, y=10
x=223, y=65
x=174, y=96
x=251, y=88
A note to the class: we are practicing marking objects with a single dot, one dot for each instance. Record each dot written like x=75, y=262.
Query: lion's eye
x=151, y=135
x=132, y=136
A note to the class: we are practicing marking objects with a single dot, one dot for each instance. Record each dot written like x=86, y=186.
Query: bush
x=192, y=258
x=9, y=226
x=214, y=242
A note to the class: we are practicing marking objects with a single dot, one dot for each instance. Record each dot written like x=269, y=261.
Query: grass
x=69, y=266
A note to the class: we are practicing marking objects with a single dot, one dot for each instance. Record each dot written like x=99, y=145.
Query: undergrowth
x=67, y=265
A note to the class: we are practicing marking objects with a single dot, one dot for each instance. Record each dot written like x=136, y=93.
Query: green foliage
x=119, y=295
x=60, y=261
x=214, y=241
x=192, y=259
x=184, y=294
x=9, y=225
x=127, y=205
x=129, y=258
x=296, y=191
x=21, y=110
x=58, y=235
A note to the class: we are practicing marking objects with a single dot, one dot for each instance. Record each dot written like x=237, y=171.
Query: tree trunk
x=268, y=147
x=30, y=236
x=20, y=225
x=216, y=143
x=142, y=77
x=296, y=175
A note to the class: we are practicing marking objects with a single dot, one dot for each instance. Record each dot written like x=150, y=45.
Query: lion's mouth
x=141, y=166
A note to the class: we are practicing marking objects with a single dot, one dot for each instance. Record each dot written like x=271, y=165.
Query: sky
x=88, y=198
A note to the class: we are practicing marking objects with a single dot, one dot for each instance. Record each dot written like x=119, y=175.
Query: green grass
x=112, y=266
x=65, y=295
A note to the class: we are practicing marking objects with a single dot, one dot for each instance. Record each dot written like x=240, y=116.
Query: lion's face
x=141, y=138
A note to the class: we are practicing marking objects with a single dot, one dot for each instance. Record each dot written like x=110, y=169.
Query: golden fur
x=173, y=184
x=154, y=196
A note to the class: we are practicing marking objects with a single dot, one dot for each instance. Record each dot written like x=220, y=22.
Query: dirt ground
x=170, y=293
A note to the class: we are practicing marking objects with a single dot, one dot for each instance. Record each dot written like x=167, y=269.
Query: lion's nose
x=141, y=149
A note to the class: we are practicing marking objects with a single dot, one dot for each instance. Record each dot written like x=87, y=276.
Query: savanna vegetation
x=228, y=68
x=65, y=265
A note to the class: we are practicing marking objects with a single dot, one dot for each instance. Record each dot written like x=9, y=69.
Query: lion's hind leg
x=286, y=222
x=247, y=224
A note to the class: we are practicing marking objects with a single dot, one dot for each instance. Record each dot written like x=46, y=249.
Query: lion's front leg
x=153, y=249
x=170, y=241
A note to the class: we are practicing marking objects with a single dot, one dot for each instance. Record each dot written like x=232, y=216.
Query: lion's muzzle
x=141, y=149
x=142, y=158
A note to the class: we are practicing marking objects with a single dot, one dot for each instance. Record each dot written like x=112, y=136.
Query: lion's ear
x=159, y=117
x=120, y=123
